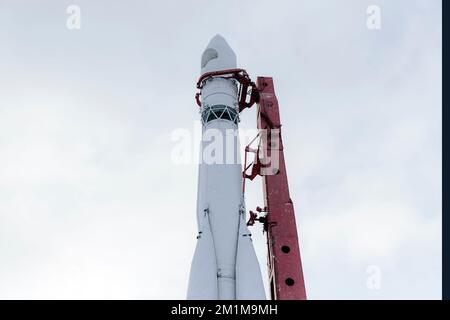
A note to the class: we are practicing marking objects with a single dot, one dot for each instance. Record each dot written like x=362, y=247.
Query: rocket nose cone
x=218, y=56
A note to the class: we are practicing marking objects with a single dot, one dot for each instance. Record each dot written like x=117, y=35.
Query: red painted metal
x=284, y=261
x=255, y=165
x=246, y=86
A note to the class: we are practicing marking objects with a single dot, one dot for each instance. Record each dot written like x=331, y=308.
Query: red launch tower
x=284, y=261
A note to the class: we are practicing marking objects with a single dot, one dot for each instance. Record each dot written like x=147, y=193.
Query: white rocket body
x=224, y=264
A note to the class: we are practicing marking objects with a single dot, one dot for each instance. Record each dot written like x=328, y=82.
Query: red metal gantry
x=284, y=261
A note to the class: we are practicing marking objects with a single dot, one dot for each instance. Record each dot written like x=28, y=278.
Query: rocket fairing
x=224, y=265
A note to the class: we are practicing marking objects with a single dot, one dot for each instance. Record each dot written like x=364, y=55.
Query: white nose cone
x=217, y=56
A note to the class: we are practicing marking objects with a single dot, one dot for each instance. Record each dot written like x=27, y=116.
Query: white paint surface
x=220, y=198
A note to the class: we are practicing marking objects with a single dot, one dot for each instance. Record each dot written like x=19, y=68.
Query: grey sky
x=91, y=205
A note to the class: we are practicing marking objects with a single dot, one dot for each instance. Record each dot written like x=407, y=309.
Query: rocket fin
x=249, y=284
x=203, y=275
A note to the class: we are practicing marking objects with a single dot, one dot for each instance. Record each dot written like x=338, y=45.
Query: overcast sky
x=91, y=204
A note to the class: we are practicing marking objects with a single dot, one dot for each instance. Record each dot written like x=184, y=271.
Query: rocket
x=224, y=265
